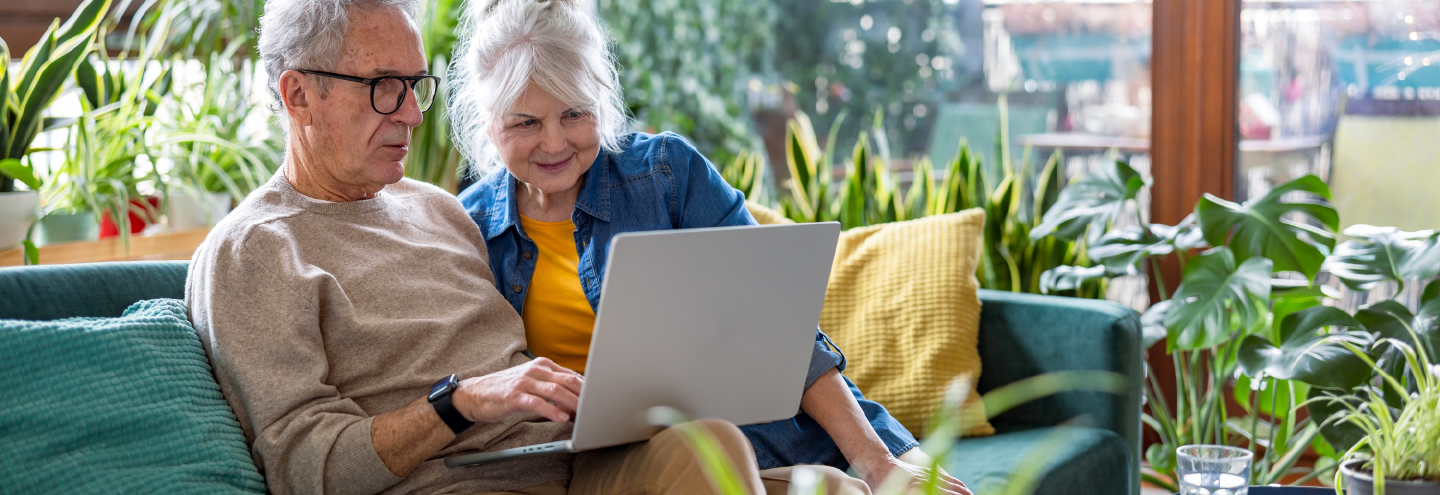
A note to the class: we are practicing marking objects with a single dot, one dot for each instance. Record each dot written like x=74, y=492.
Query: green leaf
x=84, y=21
x=1260, y=227
x=1277, y=392
x=1430, y=300
x=1241, y=425
x=1322, y=405
x=1307, y=352
x=32, y=254
x=798, y=160
x=1284, y=301
x=5, y=93
x=1392, y=320
x=52, y=73
x=15, y=169
x=1379, y=254
x=1152, y=324
x=1122, y=250
x=1323, y=448
x=1048, y=185
x=1091, y=203
x=90, y=83
x=1184, y=236
x=1161, y=457
x=1068, y=277
x=1213, y=290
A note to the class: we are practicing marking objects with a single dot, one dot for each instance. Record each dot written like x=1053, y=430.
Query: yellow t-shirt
x=558, y=318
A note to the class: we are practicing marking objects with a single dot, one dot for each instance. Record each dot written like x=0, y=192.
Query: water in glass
x=1205, y=483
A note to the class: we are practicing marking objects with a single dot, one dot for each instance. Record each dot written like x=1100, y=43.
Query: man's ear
x=298, y=93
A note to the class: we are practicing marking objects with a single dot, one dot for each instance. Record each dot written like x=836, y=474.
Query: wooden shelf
x=178, y=245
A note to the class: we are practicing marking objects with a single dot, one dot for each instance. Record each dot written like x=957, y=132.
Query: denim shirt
x=658, y=182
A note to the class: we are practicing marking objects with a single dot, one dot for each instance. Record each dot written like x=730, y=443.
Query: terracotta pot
x=1359, y=482
x=137, y=222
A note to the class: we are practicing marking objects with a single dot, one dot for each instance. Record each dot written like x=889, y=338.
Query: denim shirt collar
x=592, y=200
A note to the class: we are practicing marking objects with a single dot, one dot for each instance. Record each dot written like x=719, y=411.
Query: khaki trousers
x=665, y=466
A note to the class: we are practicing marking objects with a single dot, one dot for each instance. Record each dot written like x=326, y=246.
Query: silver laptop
x=718, y=323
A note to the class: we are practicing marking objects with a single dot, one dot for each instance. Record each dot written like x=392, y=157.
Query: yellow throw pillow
x=902, y=305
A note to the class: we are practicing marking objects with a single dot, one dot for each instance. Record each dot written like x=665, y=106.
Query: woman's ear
x=296, y=93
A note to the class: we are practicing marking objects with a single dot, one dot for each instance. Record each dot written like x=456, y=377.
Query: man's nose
x=409, y=112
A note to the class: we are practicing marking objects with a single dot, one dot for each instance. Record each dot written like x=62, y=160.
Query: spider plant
x=211, y=136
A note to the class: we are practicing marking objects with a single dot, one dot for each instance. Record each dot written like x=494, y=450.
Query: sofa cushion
x=902, y=304
x=117, y=405
x=1069, y=460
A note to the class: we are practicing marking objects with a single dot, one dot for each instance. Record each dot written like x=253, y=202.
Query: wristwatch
x=440, y=400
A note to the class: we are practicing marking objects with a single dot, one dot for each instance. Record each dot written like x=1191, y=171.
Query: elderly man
x=335, y=296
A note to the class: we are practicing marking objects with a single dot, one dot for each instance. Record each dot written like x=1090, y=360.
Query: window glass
x=1349, y=91
x=1075, y=76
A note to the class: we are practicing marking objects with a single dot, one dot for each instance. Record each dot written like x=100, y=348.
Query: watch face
x=445, y=385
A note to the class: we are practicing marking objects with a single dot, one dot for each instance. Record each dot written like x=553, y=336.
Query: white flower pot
x=188, y=212
x=17, y=213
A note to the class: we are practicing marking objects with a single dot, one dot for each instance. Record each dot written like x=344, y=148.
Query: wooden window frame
x=1195, y=68
x=1195, y=65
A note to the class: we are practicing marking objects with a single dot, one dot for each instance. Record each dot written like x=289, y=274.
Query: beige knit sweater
x=318, y=316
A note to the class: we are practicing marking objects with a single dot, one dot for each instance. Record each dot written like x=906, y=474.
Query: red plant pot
x=137, y=221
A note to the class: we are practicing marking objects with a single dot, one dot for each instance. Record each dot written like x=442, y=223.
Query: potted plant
x=1389, y=423
x=23, y=100
x=1251, y=315
x=108, y=149
x=216, y=159
x=1399, y=452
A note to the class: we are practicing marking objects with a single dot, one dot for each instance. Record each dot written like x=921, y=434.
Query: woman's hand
x=911, y=471
x=540, y=386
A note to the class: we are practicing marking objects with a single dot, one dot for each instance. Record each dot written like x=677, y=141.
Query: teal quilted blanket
x=116, y=405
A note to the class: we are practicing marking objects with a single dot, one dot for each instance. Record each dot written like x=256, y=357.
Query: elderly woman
x=534, y=91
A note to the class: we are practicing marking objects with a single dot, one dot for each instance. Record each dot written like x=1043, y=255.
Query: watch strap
x=450, y=415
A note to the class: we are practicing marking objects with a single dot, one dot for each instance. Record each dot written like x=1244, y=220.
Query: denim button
x=526, y=255
x=517, y=288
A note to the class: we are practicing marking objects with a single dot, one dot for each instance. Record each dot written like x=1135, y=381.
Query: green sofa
x=1085, y=442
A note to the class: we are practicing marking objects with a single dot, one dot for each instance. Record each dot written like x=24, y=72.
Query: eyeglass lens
x=389, y=94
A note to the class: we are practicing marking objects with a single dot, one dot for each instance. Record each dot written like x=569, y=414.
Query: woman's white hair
x=310, y=34
x=504, y=45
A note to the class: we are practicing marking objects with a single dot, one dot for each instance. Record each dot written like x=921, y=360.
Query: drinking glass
x=1213, y=470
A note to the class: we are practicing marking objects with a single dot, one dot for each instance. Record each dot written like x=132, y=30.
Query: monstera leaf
x=1307, y=353
x=1090, y=204
x=1272, y=397
x=1068, y=277
x=1185, y=235
x=1392, y=320
x=1322, y=405
x=1215, y=293
x=1379, y=254
x=1152, y=324
x=1265, y=226
x=1121, y=250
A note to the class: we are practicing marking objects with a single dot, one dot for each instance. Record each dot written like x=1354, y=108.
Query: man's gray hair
x=310, y=34
x=506, y=44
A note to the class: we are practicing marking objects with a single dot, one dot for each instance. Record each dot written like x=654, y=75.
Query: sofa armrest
x=1023, y=335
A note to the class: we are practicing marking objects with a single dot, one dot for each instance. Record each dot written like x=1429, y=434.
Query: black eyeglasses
x=388, y=93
